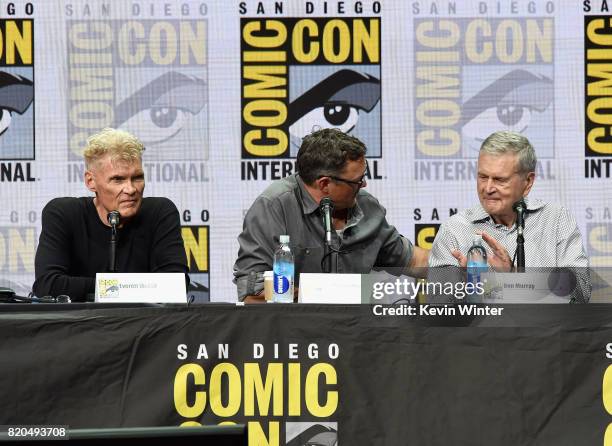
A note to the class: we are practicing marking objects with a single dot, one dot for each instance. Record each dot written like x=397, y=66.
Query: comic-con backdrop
x=221, y=93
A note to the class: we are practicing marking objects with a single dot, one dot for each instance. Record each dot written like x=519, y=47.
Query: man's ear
x=90, y=181
x=530, y=179
x=322, y=185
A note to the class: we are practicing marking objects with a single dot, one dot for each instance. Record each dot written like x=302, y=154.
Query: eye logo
x=510, y=102
x=336, y=101
x=162, y=108
x=16, y=96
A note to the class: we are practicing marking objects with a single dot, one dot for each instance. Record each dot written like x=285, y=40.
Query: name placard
x=141, y=287
x=528, y=287
x=329, y=288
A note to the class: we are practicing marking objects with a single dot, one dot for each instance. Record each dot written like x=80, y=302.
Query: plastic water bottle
x=476, y=263
x=283, y=272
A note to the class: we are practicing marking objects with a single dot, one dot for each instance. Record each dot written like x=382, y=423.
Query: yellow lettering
x=509, y=41
x=215, y=390
x=271, y=113
x=308, y=27
x=294, y=408
x=269, y=78
x=20, y=40
x=604, y=86
x=444, y=81
x=603, y=39
x=476, y=30
x=196, y=248
x=595, y=106
x=258, y=437
x=193, y=43
x=439, y=137
x=180, y=391
x=265, y=42
x=336, y=28
x=311, y=390
x=102, y=40
x=266, y=150
x=255, y=388
x=131, y=35
x=162, y=43
x=21, y=249
x=438, y=113
x=445, y=36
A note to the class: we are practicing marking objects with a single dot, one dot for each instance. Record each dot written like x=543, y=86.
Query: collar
x=309, y=205
x=478, y=214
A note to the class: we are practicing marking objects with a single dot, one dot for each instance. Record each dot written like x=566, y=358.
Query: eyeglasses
x=360, y=183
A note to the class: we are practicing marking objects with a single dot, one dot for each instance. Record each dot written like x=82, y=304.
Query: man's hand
x=500, y=259
x=419, y=262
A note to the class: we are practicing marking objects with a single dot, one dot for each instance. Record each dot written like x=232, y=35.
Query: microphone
x=520, y=208
x=327, y=206
x=113, y=219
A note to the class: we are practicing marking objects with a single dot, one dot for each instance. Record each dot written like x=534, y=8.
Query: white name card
x=329, y=288
x=141, y=287
x=529, y=287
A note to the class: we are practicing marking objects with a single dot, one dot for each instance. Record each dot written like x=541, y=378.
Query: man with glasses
x=330, y=164
x=506, y=173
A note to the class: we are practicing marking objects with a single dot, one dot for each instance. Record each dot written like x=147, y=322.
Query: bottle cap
x=284, y=239
x=269, y=274
x=478, y=239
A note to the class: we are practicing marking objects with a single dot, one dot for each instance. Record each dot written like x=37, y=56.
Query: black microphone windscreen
x=326, y=202
x=113, y=218
x=519, y=205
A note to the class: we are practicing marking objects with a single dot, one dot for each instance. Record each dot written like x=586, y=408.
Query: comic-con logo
x=425, y=234
x=598, y=96
x=148, y=77
x=197, y=241
x=477, y=75
x=16, y=99
x=108, y=287
x=303, y=74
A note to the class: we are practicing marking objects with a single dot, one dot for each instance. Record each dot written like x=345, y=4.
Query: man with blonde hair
x=74, y=242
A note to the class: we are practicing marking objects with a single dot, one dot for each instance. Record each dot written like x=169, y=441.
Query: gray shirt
x=286, y=207
x=552, y=239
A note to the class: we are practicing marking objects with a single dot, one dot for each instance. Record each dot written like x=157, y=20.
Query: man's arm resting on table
x=417, y=266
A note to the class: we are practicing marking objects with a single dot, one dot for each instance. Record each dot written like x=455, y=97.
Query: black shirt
x=74, y=245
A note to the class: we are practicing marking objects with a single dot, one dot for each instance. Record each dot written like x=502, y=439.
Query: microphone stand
x=326, y=206
x=113, y=219
x=113, y=250
x=519, y=207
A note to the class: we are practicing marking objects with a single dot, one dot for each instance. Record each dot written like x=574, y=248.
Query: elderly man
x=330, y=164
x=506, y=173
x=74, y=242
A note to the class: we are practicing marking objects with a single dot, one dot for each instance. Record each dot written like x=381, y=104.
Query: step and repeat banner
x=221, y=94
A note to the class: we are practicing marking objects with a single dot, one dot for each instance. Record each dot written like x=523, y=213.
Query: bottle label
x=281, y=284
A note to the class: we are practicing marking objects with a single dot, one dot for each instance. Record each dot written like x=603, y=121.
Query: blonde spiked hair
x=120, y=145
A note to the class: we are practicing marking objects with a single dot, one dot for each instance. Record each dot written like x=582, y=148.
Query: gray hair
x=502, y=142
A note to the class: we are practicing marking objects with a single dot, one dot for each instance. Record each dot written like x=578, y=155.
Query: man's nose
x=129, y=188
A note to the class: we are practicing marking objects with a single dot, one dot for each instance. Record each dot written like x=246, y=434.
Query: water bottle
x=283, y=272
x=476, y=264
